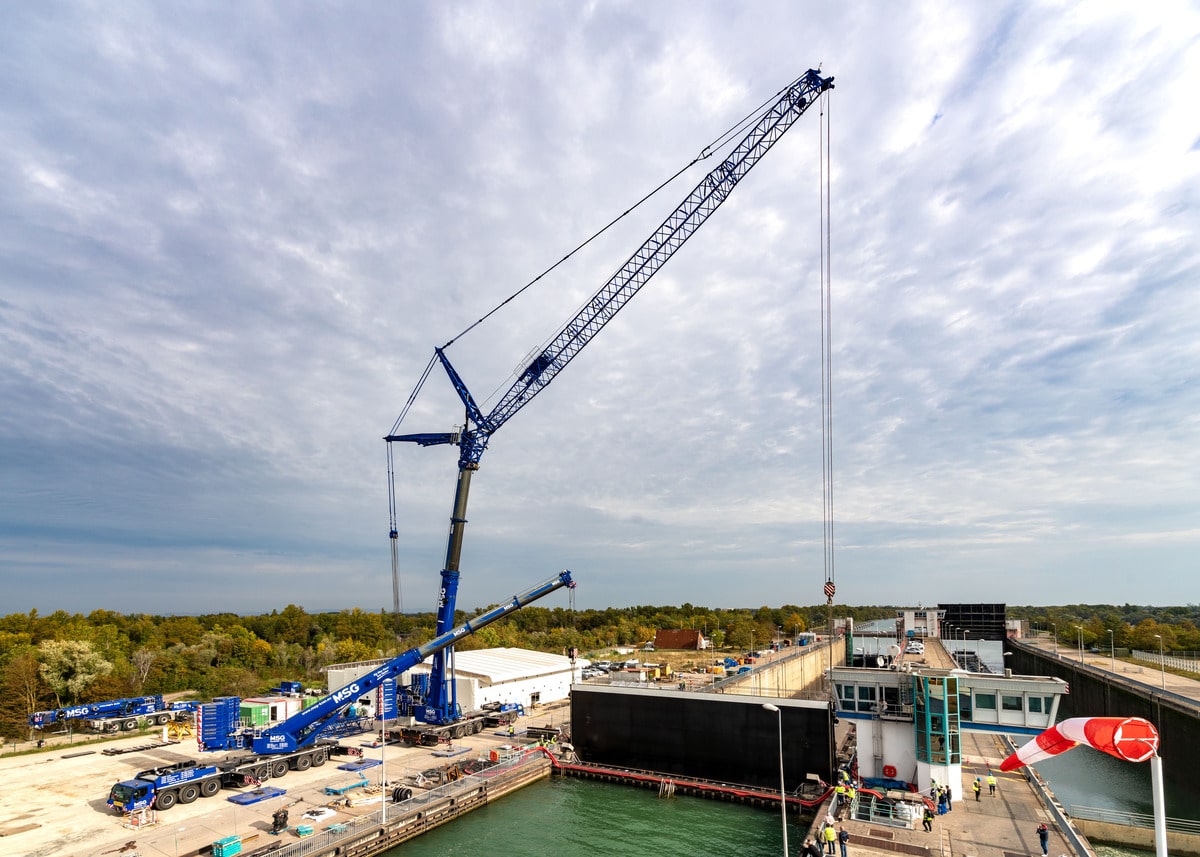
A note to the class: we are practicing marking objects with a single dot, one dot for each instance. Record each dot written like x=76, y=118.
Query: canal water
x=567, y=817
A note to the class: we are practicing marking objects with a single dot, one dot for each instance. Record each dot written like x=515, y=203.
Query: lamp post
x=383, y=770
x=965, y=632
x=782, y=788
x=1054, y=625
x=1079, y=628
x=1162, y=663
x=1112, y=650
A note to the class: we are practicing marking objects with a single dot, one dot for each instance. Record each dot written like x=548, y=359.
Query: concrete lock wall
x=1141, y=838
x=801, y=671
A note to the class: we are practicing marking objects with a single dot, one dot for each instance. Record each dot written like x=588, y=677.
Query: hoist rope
x=826, y=349
x=412, y=397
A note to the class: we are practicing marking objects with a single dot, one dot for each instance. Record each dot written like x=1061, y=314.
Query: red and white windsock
x=1130, y=738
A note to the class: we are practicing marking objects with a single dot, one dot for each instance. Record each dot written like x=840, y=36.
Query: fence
x=1172, y=661
x=323, y=842
x=1134, y=819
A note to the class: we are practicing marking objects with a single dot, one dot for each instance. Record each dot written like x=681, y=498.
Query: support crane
x=472, y=439
x=114, y=715
x=299, y=742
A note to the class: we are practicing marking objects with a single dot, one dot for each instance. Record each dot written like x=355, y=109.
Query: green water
x=573, y=818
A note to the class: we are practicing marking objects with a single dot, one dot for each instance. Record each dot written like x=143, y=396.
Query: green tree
x=142, y=661
x=21, y=692
x=70, y=666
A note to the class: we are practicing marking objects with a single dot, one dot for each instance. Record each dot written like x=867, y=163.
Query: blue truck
x=300, y=742
x=115, y=715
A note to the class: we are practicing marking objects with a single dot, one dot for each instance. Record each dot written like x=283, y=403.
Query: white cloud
x=233, y=239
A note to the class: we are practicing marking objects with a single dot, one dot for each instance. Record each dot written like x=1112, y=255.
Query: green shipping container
x=308, y=701
x=256, y=714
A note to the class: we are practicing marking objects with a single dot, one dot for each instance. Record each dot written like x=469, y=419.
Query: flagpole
x=1160, y=812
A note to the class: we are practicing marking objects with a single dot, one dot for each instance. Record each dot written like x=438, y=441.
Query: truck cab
x=131, y=795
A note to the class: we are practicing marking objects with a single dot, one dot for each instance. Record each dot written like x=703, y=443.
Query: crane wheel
x=188, y=793
x=319, y=758
x=166, y=800
x=208, y=788
x=129, y=725
x=162, y=719
x=303, y=763
x=279, y=769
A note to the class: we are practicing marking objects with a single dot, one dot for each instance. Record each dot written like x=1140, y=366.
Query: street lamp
x=1162, y=663
x=782, y=788
x=383, y=784
x=1112, y=649
x=1055, y=626
x=1080, y=629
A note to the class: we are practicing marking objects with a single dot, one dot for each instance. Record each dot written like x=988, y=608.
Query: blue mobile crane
x=115, y=715
x=438, y=703
x=298, y=743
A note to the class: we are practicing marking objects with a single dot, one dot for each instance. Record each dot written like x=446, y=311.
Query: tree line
x=50, y=661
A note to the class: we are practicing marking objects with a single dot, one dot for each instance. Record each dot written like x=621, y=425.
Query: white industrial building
x=482, y=676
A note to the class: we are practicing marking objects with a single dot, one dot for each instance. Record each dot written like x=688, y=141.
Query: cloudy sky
x=234, y=233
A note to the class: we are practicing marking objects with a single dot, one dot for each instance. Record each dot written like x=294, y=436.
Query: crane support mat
x=448, y=753
x=265, y=793
x=359, y=766
x=140, y=748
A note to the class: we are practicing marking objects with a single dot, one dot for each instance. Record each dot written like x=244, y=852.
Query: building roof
x=677, y=639
x=501, y=665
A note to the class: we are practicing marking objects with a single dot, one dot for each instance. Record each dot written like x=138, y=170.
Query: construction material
x=360, y=765
x=341, y=790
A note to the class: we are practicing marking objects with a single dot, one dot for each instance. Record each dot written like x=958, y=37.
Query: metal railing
x=1133, y=819
x=323, y=841
x=1175, y=663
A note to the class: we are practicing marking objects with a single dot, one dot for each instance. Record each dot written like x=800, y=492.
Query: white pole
x=383, y=770
x=782, y=787
x=1160, y=812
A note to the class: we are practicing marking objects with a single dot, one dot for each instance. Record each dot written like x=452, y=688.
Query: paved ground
x=55, y=800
